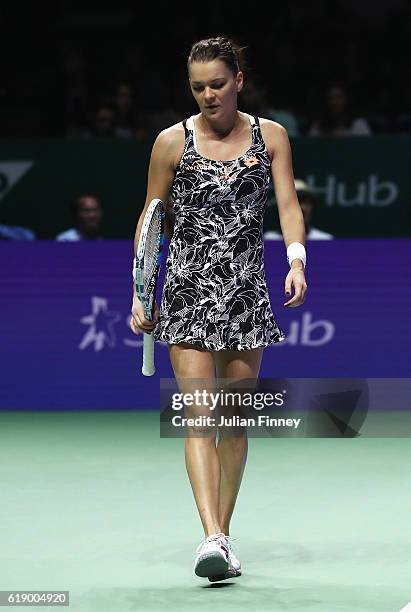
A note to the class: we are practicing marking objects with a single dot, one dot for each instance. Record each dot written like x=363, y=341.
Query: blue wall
x=65, y=341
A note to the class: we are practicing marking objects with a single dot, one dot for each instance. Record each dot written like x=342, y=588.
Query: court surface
x=100, y=505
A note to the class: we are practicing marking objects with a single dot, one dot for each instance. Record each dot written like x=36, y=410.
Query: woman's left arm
x=289, y=210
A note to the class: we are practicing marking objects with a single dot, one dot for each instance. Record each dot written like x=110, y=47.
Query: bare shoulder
x=171, y=135
x=169, y=143
x=275, y=136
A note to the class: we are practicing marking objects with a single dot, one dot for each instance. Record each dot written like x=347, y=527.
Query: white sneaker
x=234, y=565
x=212, y=556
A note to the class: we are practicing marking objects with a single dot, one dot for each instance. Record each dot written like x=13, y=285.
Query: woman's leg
x=202, y=462
x=233, y=446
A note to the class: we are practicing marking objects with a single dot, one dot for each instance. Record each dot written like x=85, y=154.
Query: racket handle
x=148, y=368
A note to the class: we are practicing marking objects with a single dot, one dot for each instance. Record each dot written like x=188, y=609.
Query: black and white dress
x=215, y=294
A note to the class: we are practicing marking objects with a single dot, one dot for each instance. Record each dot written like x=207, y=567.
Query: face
x=214, y=87
x=89, y=213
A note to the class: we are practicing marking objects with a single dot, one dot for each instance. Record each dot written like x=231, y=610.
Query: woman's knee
x=238, y=364
x=189, y=361
x=201, y=436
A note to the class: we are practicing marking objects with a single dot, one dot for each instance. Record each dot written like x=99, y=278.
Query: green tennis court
x=99, y=505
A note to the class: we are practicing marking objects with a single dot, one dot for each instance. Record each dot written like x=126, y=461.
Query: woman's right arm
x=160, y=174
x=163, y=161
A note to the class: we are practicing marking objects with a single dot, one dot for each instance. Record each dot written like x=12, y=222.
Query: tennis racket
x=146, y=268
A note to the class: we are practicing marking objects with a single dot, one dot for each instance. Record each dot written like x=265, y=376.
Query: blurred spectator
x=159, y=112
x=76, y=72
x=183, y=100
x=103, y=124
x=67, y=55
x=14, y=232
x=87, y=212
x=337, y=118
x=125, y=112
x=308, y=203
x=254, y=101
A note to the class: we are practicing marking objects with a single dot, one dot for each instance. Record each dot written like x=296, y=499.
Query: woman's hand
x=295, y=278
x=138, y=322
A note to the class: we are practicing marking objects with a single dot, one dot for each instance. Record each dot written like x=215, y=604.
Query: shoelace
x=211, y=538
x=229, y=541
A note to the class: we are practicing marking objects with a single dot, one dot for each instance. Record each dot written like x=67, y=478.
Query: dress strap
x=255, y=124
x=192, y=131
x=186, y=131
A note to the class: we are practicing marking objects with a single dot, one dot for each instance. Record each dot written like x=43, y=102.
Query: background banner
x=362, y=184
x=65, y=341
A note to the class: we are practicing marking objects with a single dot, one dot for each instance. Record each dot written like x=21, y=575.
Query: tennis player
x=215, y=311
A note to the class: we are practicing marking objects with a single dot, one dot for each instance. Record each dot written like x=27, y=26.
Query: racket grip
x=148, y=368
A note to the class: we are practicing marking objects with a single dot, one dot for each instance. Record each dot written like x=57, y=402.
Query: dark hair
x=221, y=48
x=76, y=201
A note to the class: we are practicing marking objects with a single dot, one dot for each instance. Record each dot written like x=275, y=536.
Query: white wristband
x=296, y=250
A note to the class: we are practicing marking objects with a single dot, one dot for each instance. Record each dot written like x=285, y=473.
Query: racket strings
x=151, y=250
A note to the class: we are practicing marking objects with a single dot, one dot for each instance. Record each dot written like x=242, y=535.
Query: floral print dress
x=215, y=295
